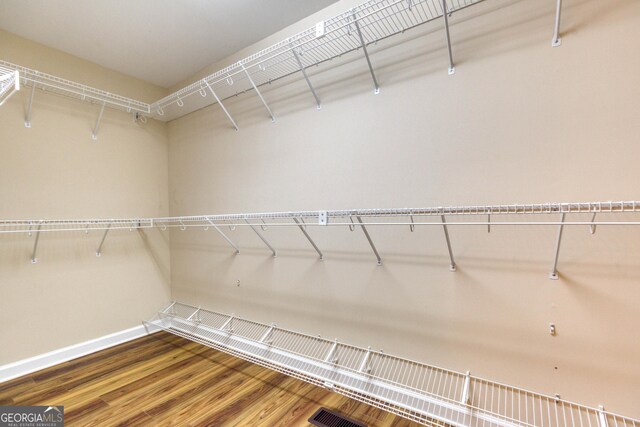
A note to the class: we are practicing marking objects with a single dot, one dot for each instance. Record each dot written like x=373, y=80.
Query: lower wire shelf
x=417, y=391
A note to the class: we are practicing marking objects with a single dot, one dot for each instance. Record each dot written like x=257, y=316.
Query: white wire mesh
x=377, y=19
x=31, y=226
x=60, y=86
x=417, y=391
x=9, y=84
x=387, y=217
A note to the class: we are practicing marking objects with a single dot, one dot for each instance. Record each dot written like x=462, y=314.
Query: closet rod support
x=233, y=122
x=366, y=233
x=261, y=238
x=224, y=236
x=304, y=231
x=445, y=15
x=554, y=270
x=273, y=119
x=27, y=120
x=96, y=128
x=366, y=54
x=452, y=267
x=306, y=77
x=104, y=236
x=35, y=245
x=557, y=40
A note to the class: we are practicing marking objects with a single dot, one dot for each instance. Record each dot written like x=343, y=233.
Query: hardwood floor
x=166, y=380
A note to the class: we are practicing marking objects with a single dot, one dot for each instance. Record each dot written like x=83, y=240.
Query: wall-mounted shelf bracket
x=104, y=236
x=365, y=360
x=266, y=337
x=465, y=390
x=195, y=317
x=304, y=231
x=233, y=122
x=27, y=120
x=227, y=326
x=224, y=236
x=445, y=16
x=554, y=270
x=306, y=77
x=332, y=350
x=35, y=245
x=273, y=119
x=261, y=237
x=592, y=227
x=602, y=417
x=376, y=89
x=366, y=233
x=557, y=40
x=452, y=265
x=96, y=128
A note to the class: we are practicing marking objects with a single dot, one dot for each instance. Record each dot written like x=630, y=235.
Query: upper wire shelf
x=68, y=88
x=418, y=391
x=352, y=30
x=374, y=20
x=9, y=83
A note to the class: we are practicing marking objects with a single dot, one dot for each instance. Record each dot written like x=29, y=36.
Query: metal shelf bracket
x=261, y=238
x=376, y=89
x=104, y=236
x=233, y=122
x=304, y=231
x=554, y=270
x=273, y=119
x=306, y=77
x=452, y=266
x=224, y=236
x=445, y=16
x=366, y=233
x=35, y=245
x=27, y=120
x=557, y=40
x=96, y=128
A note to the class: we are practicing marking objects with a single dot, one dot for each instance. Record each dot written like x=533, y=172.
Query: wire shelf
x=385, y=217
x=68, y=88
x=424, y=393
x=352, y=30
x=46, y=225
x=377, y=20
x=9, y=84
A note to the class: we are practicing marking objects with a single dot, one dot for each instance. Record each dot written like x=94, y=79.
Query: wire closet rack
x=9, y=84
x=420, y=392
x=476, y=215
x=355, y=29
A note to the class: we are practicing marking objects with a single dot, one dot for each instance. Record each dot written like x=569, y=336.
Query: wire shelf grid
x=68, y=88
x=377, y=20
x=9, y=83
x=424, y=393
x=383, y=217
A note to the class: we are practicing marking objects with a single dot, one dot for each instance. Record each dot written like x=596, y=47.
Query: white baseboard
x=36, y=363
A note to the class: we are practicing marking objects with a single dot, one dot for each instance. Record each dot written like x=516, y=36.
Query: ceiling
x=159, y=41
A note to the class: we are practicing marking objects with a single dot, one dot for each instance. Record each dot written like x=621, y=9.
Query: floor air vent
x=326, y=418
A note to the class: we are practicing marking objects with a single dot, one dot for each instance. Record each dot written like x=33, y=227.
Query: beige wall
x=518, y=122
x=55, y=170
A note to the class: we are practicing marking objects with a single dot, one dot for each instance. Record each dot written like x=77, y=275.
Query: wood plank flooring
x=163, y=380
